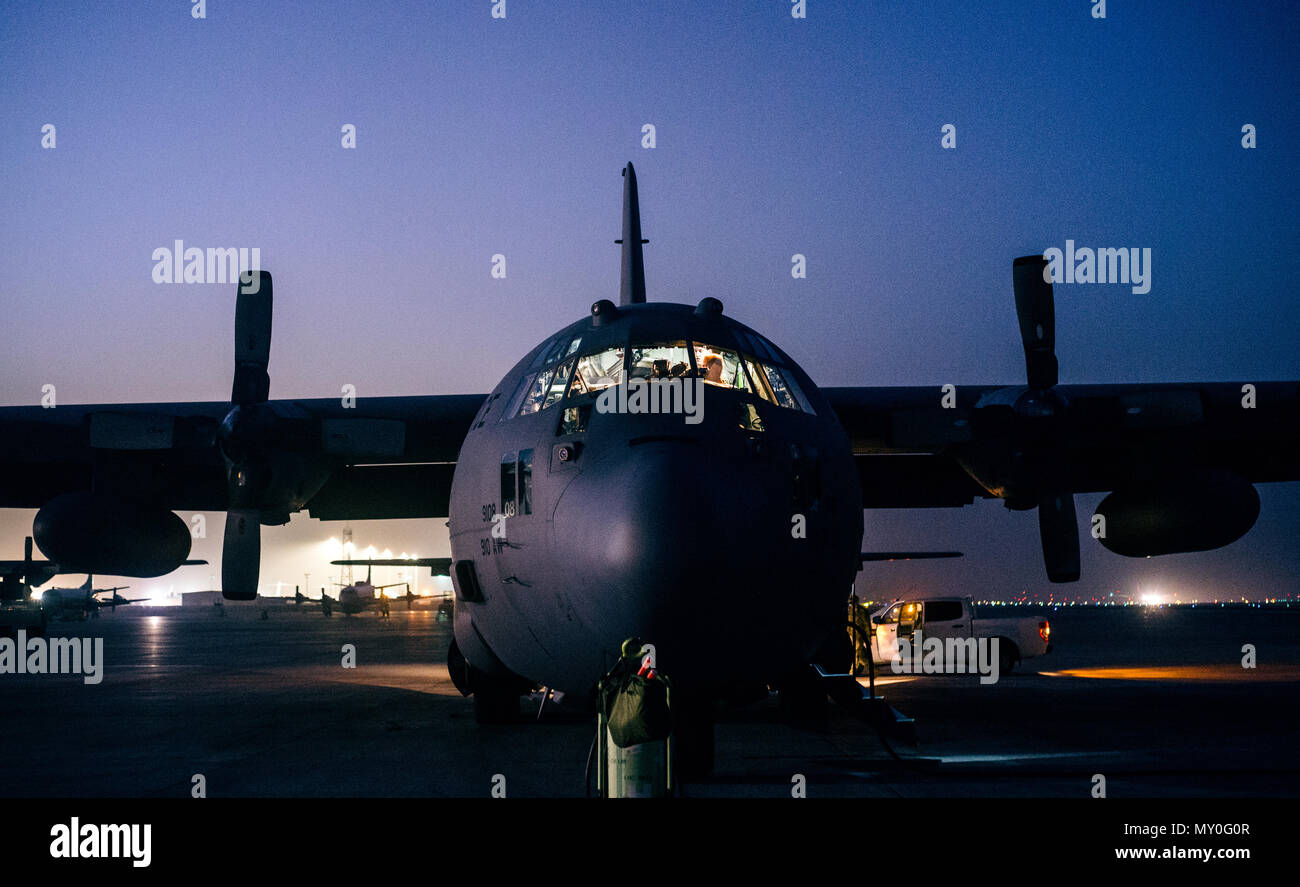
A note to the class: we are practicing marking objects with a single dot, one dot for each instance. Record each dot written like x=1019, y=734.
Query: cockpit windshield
x=558, y=382
x=535, y=392
x=720, y=366
x=723, y=367
x=597, y=371
x=560, y=371
x=666, y=360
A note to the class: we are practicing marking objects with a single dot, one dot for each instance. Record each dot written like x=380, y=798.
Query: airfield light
x=36, y=595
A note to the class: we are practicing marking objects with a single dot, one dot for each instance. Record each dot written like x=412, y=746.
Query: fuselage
x=65, y=603
x=76, y=603
x=724, y=527
x=355, y=598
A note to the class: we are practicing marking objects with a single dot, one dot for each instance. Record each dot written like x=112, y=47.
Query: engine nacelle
x=91, y=533
x=1196, y=512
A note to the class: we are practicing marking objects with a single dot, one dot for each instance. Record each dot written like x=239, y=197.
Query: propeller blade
x=241, y=555
x=1058, y=527
x=1037, y=314
x=252, y=338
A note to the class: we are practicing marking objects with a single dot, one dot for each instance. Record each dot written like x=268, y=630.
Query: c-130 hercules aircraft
x=578, y=519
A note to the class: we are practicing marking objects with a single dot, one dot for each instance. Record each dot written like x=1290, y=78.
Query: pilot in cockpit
x=711, y=366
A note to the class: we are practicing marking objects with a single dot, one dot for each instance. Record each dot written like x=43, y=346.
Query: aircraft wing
x=906, y=555
x=438, y=566
x=1179, y=460
x=16, y=568
x=385, y=457
x=913, y=451
x=34, y=573
x=108, y=477
x=120, y=602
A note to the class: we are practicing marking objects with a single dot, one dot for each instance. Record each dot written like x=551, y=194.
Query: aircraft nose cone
x=671, y=545
x=648, y=520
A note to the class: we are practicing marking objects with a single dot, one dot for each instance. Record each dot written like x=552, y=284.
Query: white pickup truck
x=1019, y=637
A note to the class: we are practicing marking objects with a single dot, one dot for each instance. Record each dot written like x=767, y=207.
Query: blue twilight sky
x=775, y=136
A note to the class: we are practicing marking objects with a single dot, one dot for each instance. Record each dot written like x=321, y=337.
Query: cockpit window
x=525, y=472
x=577, y=375
x=512, y=405
x=759, y=379
x=758, y=345
x=540, y=357
x=786, y=390
x=726, y=368
x=556, y=349
x=720, y=366
x=558, y=383
x=536, y=392
x=804, y=404
x=662, y=361
x=597, y=371
x=779, y=390
x=561, y=348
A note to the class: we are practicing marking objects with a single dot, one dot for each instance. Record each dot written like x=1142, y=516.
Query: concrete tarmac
x=265, y=708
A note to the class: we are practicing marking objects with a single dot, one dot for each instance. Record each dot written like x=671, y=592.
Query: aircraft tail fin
x=632, y=286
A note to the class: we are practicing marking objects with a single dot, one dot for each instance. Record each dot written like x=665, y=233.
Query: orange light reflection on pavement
x=1182, y=673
